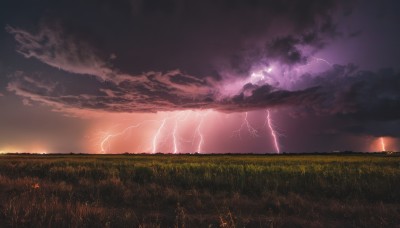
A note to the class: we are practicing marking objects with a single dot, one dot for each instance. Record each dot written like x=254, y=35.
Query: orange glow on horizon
x=32, y=150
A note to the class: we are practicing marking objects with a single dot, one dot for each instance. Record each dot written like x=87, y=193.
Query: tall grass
x=199, y=190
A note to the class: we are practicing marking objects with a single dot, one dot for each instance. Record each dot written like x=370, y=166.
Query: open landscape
x=211, y=113
x=360, y=190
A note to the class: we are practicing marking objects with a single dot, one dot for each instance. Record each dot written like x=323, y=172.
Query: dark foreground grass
x=199, y=191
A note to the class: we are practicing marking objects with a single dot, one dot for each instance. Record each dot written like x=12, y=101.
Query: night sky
x=210, y=76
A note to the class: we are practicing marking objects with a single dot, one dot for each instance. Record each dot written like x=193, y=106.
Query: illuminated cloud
x=151, y=91
x=341, y=90
x=167, y=90
x=160, y=92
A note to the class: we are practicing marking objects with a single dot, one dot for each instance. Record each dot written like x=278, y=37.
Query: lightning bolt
x=383, y=144
x=253, y=132
x=179, y=121
x=175, y=141
x=199, y=133
x=180, y=117
x=105, y=142
x=156, y=136
x=312, y=61
x=201, y=141
x=268, y=122
x=322, y=60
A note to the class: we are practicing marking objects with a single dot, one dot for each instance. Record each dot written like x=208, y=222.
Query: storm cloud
x=266, y=31
x=171, y=55
x=83, y=58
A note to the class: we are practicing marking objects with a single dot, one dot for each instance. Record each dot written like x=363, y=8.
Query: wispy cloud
x=55, y=48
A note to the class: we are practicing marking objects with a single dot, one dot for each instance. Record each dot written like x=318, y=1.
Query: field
x=200, y=190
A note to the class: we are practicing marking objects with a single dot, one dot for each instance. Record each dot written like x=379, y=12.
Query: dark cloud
x=359, y=94
x=199, y=38
x=341, y=91
x=163, y=36
x=355, y=34
x=363, y=102
x=285, y=51
x=169, y=55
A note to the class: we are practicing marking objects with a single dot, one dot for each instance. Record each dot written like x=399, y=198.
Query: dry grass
x=199, y=191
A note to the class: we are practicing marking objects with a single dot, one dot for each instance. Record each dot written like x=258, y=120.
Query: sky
x=211, y=76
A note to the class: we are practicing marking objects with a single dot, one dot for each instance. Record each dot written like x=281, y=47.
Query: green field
x=200, y=190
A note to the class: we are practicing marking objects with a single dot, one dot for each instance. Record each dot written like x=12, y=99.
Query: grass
x=199, y=190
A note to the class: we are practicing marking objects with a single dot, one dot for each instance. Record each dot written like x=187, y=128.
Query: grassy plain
x=200, y=190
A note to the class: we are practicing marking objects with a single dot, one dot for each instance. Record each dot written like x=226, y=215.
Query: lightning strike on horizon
x=200, y=134
x=201, y=141
x=273, y=132
x=155, y=139
x=253, y=132
x=175, y=137
x=109, y=136
x=178, y=118
x=198, y=140
x=383, y=144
